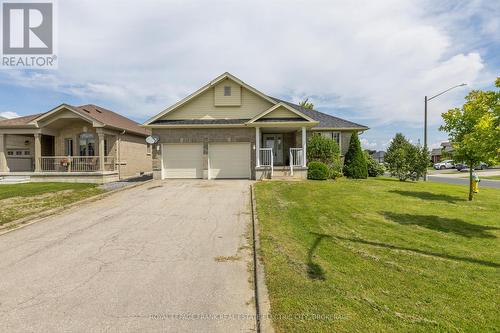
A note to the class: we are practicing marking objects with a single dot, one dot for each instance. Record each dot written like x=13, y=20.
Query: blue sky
x=369, y=62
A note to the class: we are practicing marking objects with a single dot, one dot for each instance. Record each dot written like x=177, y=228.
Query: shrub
x=355, y=162
x=322, y=149
x=405, y=160
x=374, y=168
x=335, y=168
x=327, y=151
x=317, y=171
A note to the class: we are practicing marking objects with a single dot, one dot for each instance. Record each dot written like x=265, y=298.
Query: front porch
x=79, y=154
x=281, y=152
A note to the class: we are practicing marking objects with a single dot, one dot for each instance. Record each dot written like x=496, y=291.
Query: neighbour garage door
x=182, y=160
x=229, y=160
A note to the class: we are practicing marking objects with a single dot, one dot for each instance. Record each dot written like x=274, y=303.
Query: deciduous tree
x=474, y=129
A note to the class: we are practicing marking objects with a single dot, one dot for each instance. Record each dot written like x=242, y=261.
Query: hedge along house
x=73, y=144
x=228, y=129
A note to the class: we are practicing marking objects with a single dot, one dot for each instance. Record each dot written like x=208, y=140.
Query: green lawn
x=20, y=200
x=380, y=255
x=490, y=177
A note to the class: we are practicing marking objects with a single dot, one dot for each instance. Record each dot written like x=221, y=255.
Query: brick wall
x=134, y=156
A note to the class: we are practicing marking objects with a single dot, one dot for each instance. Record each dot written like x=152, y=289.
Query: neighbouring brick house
x=228, y=129
x=73, y=143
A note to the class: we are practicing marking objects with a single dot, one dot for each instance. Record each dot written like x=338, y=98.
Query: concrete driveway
x=148, y=259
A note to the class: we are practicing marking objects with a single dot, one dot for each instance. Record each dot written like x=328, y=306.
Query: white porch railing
x=267, y=158
x=75, y=163
x=296, y=158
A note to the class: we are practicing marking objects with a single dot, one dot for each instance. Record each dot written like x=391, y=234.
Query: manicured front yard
x=380, y=255
x=491, y=177
x=20, y=200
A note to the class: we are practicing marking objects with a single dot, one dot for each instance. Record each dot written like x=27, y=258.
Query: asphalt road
x=162, y=257
x=464, y=181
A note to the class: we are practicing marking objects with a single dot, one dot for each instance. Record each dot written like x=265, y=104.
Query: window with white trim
x=227, y=90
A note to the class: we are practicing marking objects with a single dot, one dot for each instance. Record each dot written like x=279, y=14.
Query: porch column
x=304, y=146
x=101, y=151
x=38, y=152
x=257, y=146
x=3, y=151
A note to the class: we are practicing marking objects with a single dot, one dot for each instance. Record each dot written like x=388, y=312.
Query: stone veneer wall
x=205, y=136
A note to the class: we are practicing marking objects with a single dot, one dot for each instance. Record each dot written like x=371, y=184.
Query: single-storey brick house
x=228, y=129
x=73, y=143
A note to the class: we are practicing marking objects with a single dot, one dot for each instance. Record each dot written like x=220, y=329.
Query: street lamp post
x=426, y=100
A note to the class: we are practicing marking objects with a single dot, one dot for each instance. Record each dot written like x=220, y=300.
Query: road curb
x=32, y=219
x=262, y=302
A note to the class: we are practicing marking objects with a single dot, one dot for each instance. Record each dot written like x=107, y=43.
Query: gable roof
x=198, y=92
x=324, y=121
x=91, y=112
x=300, y=115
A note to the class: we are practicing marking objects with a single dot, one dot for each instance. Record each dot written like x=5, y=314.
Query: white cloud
x=9, y=114
x=365, y=144
x=377, y=58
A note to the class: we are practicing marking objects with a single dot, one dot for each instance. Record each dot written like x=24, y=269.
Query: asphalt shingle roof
x=325, y=120
x=107, y=117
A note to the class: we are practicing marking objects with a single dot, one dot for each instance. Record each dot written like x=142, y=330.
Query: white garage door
x=229, y=160
x=182, y=160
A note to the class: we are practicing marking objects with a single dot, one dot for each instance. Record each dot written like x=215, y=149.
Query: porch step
x=14, y=179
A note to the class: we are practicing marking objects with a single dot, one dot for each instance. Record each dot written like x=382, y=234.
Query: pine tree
x=355, y=163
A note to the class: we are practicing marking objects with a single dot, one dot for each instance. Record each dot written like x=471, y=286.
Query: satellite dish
x=152, y=139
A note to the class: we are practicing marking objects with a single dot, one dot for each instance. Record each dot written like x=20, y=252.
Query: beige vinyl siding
x=281, y=112
x=202, y=107
x=233, y=100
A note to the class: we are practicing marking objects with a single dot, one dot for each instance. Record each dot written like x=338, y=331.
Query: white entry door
x=182, y=160
x=274, y=141
x=229, y=160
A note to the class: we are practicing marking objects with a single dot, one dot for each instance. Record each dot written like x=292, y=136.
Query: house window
x=336, y=137
x=68, y=147
x=106, y=150
x=227, y=91
x=148, y=149
x=10, y=153
x=87, y=144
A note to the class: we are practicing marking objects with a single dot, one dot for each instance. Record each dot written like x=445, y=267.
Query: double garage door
x=225, y=160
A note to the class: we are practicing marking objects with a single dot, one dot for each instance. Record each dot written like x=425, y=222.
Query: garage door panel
x=229, y=160
x=183, y=161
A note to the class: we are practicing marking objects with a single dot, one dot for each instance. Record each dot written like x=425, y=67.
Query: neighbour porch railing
x=267, y=158
x=296, y=158
x=75, y=163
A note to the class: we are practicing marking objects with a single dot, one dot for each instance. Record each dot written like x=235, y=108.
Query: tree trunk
x=471, y=168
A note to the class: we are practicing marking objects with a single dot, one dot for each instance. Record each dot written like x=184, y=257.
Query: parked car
x=447, y=164
x=463, y=167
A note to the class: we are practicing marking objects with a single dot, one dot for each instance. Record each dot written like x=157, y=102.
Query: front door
x=275, y=141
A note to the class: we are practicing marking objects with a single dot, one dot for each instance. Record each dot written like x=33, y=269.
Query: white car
x=447, y=164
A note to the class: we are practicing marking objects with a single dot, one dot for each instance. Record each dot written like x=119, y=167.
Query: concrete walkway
x=154, y=258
